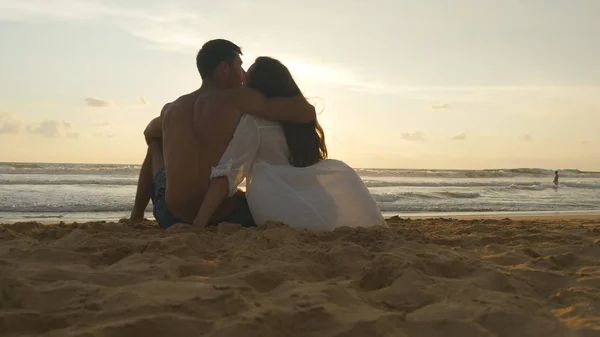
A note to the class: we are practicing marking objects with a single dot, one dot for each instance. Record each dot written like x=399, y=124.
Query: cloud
x=180, y=27
x=172, y=36
x=52, y=129
x=42, y=11
x=413, y=136
x=104, y=135
x=441, y=106
x=526, y=138
x=8, y=124
x=461, y=136
x=173, y=28
x=97, y=102
x=78, y=10
x=102, y=124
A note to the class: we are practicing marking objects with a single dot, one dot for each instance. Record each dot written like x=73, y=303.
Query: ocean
x=82, y=192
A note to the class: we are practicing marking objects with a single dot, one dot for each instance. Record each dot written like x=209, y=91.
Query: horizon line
x=358, y=168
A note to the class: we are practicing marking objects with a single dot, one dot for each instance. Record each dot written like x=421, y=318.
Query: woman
x=288, y=176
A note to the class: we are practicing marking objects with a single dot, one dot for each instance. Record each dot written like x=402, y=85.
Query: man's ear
x=224, y=67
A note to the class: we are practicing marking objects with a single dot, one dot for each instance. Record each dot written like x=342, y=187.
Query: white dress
x=324, y=196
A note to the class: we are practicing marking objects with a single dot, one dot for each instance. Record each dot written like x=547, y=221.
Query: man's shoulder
x=170, y=105
x=183, y=100
x=238, y=93
x=219, y=96
x=218, y=102
x=230, y=95
x=190, y=97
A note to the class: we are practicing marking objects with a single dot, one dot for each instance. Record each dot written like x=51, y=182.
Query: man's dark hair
x=213, y=53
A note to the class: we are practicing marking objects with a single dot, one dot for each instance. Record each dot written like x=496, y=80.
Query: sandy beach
x=426, y=277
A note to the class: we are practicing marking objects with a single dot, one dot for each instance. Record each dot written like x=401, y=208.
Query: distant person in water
x=556, y=178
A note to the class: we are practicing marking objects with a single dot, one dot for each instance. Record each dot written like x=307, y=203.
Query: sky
x=462, y=84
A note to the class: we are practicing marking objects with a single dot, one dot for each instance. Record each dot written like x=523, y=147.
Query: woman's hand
x=179, y=226
x=199, y=223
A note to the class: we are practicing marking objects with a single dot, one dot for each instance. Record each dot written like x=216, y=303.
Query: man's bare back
x=196, y=129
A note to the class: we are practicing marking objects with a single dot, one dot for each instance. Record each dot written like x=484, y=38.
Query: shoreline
x=551, y=216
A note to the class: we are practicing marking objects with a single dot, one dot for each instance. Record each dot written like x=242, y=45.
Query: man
x=192, y=133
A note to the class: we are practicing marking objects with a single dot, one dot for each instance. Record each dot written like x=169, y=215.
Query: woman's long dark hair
x=306, y=141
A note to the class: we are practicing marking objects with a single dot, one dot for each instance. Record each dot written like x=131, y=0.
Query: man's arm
x=153, y=130
x=142, y=197
x=294, y=109
x=142, y=194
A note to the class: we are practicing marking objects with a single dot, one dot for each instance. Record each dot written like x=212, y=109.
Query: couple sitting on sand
x=204, y=144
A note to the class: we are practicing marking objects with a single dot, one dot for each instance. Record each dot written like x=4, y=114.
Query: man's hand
x=135, y=217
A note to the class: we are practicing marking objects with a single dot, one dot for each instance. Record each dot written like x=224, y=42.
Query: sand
x=431, y=277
